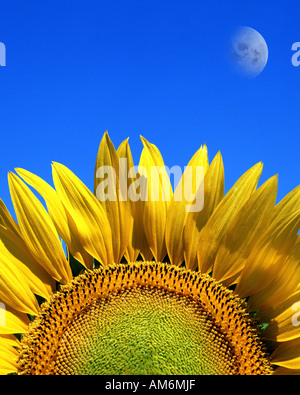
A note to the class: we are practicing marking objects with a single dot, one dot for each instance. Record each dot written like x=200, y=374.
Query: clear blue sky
x=157, y=68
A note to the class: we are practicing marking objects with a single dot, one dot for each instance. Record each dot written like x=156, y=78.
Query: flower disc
x=143, y=318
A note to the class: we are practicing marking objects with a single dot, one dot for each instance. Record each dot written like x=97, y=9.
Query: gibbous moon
x=248, y=52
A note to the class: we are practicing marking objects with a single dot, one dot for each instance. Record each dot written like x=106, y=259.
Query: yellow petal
x=10, y=340
x=12, y=247
x=7, y=220
x=195, y=221
x=217, y=225
x=158, y=200
x=116, y=203
x=62, y=220
x=271, y=313
x=8, y=357
x=178, y=210
x=268, y=255
x=289, y=204
x=7, y=365
x=286, y=372
x=136, y=232
x=283, y=320
x=15, y=287
x=12, y=321
x=38, y=231
x=33, y=274
x=244, y=231
x=91, y=221
x=287, y=354
x=284, y=282
x=137, y=191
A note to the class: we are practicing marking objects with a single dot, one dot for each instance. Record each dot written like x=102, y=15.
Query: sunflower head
x=143, y=318
x=148, y=285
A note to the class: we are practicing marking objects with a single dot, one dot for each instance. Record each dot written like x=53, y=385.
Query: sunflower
x=116, y=281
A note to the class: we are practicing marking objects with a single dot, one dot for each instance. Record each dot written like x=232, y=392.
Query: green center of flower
x=144, y=331
x=143, y=318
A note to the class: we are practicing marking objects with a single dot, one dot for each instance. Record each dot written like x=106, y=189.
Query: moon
x=248, y=52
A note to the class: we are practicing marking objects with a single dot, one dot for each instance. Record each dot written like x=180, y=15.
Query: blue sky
x=154, y=68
